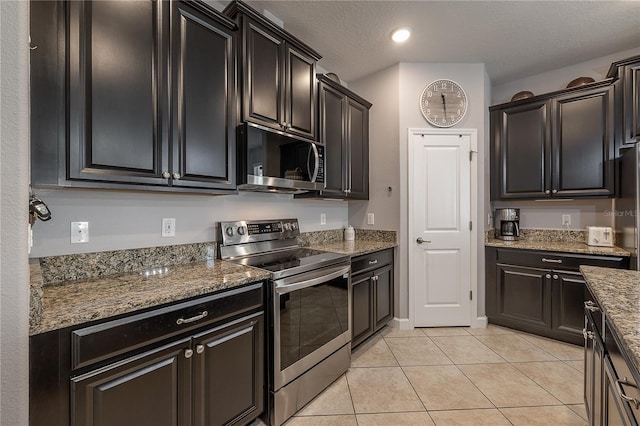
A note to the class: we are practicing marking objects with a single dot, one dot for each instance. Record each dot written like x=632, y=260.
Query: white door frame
x=477, y=224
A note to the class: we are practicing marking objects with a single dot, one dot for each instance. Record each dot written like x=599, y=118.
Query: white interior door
x=440, y=234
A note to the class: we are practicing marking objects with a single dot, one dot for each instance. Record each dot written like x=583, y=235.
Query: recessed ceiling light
x=401, y=35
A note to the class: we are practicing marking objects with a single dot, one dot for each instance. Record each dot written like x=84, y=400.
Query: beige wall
x=14, y=279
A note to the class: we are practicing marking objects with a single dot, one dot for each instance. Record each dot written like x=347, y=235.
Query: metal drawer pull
x=199, y=349
x=587, y=334
x=188, y=353
x=373, y=262
x=544, y=259
x=621, y=394
x=590, y=306
x=192, y=319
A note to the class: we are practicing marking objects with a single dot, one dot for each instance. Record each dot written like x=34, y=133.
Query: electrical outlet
x=489, y=219
x=370, y=219
x=79, y=232
x=323, y=218
x=566, y=220
x=168, y=227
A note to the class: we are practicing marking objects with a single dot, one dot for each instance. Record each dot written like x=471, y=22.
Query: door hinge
x=470, y=226
x=470, y=294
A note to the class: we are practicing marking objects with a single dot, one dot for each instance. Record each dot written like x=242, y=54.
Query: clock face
x=443, y=103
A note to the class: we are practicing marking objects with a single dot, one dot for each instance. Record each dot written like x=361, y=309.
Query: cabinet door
x=362, y=312
x=568, y=303
x=593, y=356
x=117, y=126
x=522, y=150
x=150, y=389
x=228, y=373
x=332, y=135
x=524, y=296
x=263, y=91
x=358, y=149
x=583, y=144
x=300, y=89
x=203, y=75
x=631, y=104
x=614, y=412
x=383, y=290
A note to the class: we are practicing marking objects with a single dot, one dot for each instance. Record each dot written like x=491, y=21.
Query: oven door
x=312, y=317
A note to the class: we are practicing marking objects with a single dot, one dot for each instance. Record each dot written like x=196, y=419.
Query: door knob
x=419, y=240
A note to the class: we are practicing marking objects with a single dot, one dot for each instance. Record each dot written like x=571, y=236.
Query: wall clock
x=443, y=103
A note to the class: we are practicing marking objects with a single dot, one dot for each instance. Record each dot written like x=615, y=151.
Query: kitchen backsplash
x=552, y=235
x=53, y=269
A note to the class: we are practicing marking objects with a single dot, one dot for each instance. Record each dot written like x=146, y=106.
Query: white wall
x=14, y=181
x=558, y=79
x=382, y=90
x=121, y=220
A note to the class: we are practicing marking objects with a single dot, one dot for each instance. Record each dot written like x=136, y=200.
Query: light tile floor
x=454, y=376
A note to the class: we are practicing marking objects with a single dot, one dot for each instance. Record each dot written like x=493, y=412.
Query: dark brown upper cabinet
x=556, y=145
x=149, y=91
x=343, y=121
x=278, y=75
x=627, y=71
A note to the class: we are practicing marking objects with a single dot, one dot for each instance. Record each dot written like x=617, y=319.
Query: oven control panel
x=249, y=231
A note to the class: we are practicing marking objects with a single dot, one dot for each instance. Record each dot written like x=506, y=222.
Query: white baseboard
x=401, y=323
x=480, y=322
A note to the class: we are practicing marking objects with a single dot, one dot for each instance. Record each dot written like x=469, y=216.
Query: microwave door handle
x=316, y=163
x=517, y=229
x=283, y=289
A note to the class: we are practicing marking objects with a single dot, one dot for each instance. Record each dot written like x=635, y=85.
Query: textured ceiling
x=514, y=39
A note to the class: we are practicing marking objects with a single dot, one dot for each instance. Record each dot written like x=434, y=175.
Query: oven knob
x=294, y=225
x=229, y=231
x=287, y=226
x=242, y=230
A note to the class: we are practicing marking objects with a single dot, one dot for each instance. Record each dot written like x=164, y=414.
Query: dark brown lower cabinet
x=199, y=362
x=593, y=364
x=540, y=292
x=372, y=294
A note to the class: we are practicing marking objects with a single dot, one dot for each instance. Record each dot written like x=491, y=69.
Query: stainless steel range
x=310, y=302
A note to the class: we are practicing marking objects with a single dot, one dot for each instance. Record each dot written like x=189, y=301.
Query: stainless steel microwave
x=274, y=162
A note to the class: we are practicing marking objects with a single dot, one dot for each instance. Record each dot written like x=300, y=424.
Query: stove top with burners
x=272, y=245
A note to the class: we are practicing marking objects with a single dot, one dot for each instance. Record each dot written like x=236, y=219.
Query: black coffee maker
x=507, y=224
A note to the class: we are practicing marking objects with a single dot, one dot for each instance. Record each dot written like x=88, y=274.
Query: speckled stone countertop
x=617, y=292
x=75, y=302
x=559, y=246
x=354, y=248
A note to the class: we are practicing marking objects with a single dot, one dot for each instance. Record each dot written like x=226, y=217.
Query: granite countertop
x=75, y=302
x=354, y=248
x=559, y=246
x=617, y=292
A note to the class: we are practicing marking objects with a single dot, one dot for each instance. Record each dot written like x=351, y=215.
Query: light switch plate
x=79, y=232
x=323, y=218
x=370, y=219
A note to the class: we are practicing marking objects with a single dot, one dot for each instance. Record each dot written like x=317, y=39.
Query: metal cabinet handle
x=621, y=394
x=199, y=349
x=375, y=278
x=188, y=353
x=590, y=306
x=587, y=334
x=166, y=175
x=547, y=192
x=544, y=259
x=176, y=176
x=547, y=276
x=373, y=262
x=555, y=277
x=192, y=319
x=555, y=191
x=419, y=240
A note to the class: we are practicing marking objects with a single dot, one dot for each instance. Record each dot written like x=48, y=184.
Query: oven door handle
x=319, y=277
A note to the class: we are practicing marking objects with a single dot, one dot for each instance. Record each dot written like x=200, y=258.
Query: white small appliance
x=601, y=236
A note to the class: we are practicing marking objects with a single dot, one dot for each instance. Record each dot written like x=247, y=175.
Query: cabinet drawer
x=627, y=379
x=103, y=341
x=551, y=260
x=371, y=261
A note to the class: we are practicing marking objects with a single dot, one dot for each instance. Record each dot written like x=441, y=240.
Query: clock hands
x=444, y=105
